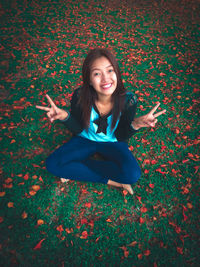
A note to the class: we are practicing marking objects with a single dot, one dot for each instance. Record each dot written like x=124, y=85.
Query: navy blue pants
x=73, y=161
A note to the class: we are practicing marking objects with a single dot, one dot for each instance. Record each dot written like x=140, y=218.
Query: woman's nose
x=104, y=77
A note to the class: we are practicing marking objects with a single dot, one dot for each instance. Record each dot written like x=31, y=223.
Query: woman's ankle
x=113, y=183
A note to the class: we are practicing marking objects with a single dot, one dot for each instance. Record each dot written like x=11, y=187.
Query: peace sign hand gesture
x=53, y=112
x=148, y=120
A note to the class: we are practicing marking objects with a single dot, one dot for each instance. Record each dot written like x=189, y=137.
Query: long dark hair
x=88, y=94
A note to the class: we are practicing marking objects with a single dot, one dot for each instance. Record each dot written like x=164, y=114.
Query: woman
x=102, y=119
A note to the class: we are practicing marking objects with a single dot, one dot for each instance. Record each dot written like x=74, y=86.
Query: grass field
x=45, y=223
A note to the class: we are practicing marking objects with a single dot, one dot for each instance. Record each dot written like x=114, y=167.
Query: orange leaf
x=132, y=244
x=60, y=228
x=2, y=194
x=32, y=192
x=8, y=180
x=189, y=205
x=24, y=215
x=7, y=185
x=40, y=222
x=69, y=230
x=108, y=220
x=36, y=187
x=12, y=141
x=10, y=204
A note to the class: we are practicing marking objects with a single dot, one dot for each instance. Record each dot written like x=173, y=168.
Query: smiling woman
x=102, y=119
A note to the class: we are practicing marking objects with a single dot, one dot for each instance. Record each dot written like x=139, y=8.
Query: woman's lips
x=106, y=86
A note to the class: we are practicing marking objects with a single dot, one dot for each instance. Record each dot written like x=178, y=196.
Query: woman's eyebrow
x=99, y=69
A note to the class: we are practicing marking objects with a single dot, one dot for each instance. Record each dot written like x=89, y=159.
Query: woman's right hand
x=53, y=112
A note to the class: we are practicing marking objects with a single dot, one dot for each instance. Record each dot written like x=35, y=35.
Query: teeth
x=107, y=86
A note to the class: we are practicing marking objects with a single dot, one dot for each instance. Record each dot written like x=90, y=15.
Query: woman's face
x=103, y=77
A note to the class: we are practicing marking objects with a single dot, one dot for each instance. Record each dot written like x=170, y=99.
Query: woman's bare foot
x=63, y=180
x=127, y=187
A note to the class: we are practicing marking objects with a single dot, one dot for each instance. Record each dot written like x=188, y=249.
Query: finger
x=154, y=109
x=159, y=113
x=43, y=108
x=152, y=123
x=51, y=101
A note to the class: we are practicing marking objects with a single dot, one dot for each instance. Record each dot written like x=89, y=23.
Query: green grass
x=83, y=224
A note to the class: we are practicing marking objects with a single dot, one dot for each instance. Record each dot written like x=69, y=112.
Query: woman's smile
x=106, y=86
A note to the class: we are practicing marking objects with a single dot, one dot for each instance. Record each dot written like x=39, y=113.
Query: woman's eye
x=95, y=74
x=111, y=70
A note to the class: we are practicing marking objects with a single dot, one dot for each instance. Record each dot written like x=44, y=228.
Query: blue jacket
x=124, y=129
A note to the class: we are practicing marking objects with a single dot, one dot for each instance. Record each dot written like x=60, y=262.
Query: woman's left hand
x=148, y=120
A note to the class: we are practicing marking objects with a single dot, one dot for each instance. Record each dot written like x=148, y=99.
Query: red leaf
x=39, y=245
x=151, y=185
x=126, y=252
x=174, y=171
x=26, y=176
x=36, y=166
x=160, y=171
x=139, y=198
x=147, y=252
x=84, y=221
x=184, y=216
x=179, y=250
x=142, y=220
x=84, y=235
x=40, y=179
x=143, y=209
x=88, y=205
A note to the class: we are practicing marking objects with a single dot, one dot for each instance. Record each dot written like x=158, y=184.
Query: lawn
x=46, y=223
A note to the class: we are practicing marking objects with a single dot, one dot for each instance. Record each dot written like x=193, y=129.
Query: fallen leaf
x=147, y=252
x=84, y=235
x=60, y=228
x=40, y=222
x=10, y=204
x=32, y=192
x=88, y=205
x=143, y=209
x=132, y=244
x=36, y=187
x=142, y=220
x=24, y=215
x=39, y=245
